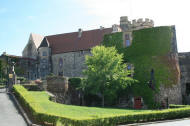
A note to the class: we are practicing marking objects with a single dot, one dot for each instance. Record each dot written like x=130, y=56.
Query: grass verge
x=45, y=111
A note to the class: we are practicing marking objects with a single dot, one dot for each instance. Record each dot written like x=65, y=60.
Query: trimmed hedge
x=42, y=115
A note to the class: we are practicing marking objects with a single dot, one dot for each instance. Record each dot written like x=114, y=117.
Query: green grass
x=75, y=112
x=44, y=110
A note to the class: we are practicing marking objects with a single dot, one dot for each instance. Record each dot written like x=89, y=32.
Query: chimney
x=101, y=27
x=79, y=32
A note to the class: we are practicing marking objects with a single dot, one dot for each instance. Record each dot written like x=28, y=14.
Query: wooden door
x=137, y=103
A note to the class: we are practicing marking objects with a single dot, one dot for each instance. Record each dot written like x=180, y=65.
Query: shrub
x=75, y=82
x=22, y=79
x=69, y=118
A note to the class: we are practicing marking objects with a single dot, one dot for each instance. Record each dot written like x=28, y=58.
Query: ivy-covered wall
x=151, y=49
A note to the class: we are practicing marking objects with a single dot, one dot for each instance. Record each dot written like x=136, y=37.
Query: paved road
x=9, y=115
x=184, y=122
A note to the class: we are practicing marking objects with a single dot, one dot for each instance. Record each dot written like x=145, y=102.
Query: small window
x=44, y=53
x=82, y=52
x=129, y=67
x=127, y=40
x=127, y=43
x=60, y=62
x=187, y=88
x=44, y=61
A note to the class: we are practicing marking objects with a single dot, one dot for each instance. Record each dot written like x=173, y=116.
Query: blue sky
x=18, y=18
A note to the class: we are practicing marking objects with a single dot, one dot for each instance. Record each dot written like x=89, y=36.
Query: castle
x=64, y=54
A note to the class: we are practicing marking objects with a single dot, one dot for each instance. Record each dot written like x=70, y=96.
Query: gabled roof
x=37, y=39
x=69, y=42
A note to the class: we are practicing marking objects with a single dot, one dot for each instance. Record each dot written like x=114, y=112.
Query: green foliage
x=114, y=39
x=150, y=49
x=3, y=70
x=19, y=70
x=44, y=110
x=75, y=82
x=106, y=72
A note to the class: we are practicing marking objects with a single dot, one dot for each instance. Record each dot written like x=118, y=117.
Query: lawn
x=45, y=110
x=77, y=112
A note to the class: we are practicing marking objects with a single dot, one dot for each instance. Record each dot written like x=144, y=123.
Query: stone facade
x=25, y=67
x=172, y=93
x=69, y=64
x=30, y=50
x=128, y=27
x=184, y=61
x=63, y=91
x=44, y=58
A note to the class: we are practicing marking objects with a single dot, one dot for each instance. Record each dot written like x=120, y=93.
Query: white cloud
x=163, y=12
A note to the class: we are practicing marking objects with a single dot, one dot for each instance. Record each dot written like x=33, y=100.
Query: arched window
x=60, y=62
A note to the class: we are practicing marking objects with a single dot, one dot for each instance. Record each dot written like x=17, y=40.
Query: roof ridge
x=76, y=32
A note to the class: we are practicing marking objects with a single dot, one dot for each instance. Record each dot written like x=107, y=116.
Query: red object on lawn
x=137, y=103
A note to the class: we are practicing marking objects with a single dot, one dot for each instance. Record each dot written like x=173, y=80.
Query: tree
x=106, y=72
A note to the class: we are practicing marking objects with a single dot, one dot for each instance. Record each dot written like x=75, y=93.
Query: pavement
x=174, y=122
x=182, y=122
x=9, y=114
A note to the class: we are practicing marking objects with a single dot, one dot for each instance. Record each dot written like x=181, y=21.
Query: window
x=127, y=43
x=128, y=67
x=60, y=62
x=127, y=40
x=187, y=89
x=44, y=53
x=44, y=61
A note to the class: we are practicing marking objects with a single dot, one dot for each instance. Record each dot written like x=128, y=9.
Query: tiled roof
x=69, y=42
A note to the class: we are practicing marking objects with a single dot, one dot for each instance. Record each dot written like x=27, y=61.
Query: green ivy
x=150, y=49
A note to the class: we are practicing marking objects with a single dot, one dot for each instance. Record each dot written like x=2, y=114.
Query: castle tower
x=125, y=24
x=44, y=57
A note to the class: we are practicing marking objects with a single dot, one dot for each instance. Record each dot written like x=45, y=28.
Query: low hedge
x=177, y=106
x=42, y=115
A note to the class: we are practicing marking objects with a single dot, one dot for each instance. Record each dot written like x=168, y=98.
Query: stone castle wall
x=184, y=61
x=73, y=63
x=127, y=25
x=30, y=50
x=173, y=92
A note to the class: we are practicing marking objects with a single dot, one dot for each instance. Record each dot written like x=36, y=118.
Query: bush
x=68, y=117
x=177, y=106
x=75, y=82
x=22, y=79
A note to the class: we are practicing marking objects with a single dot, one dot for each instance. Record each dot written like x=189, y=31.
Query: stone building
x=24, y=67
x=64, y=54
x=184, y=61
